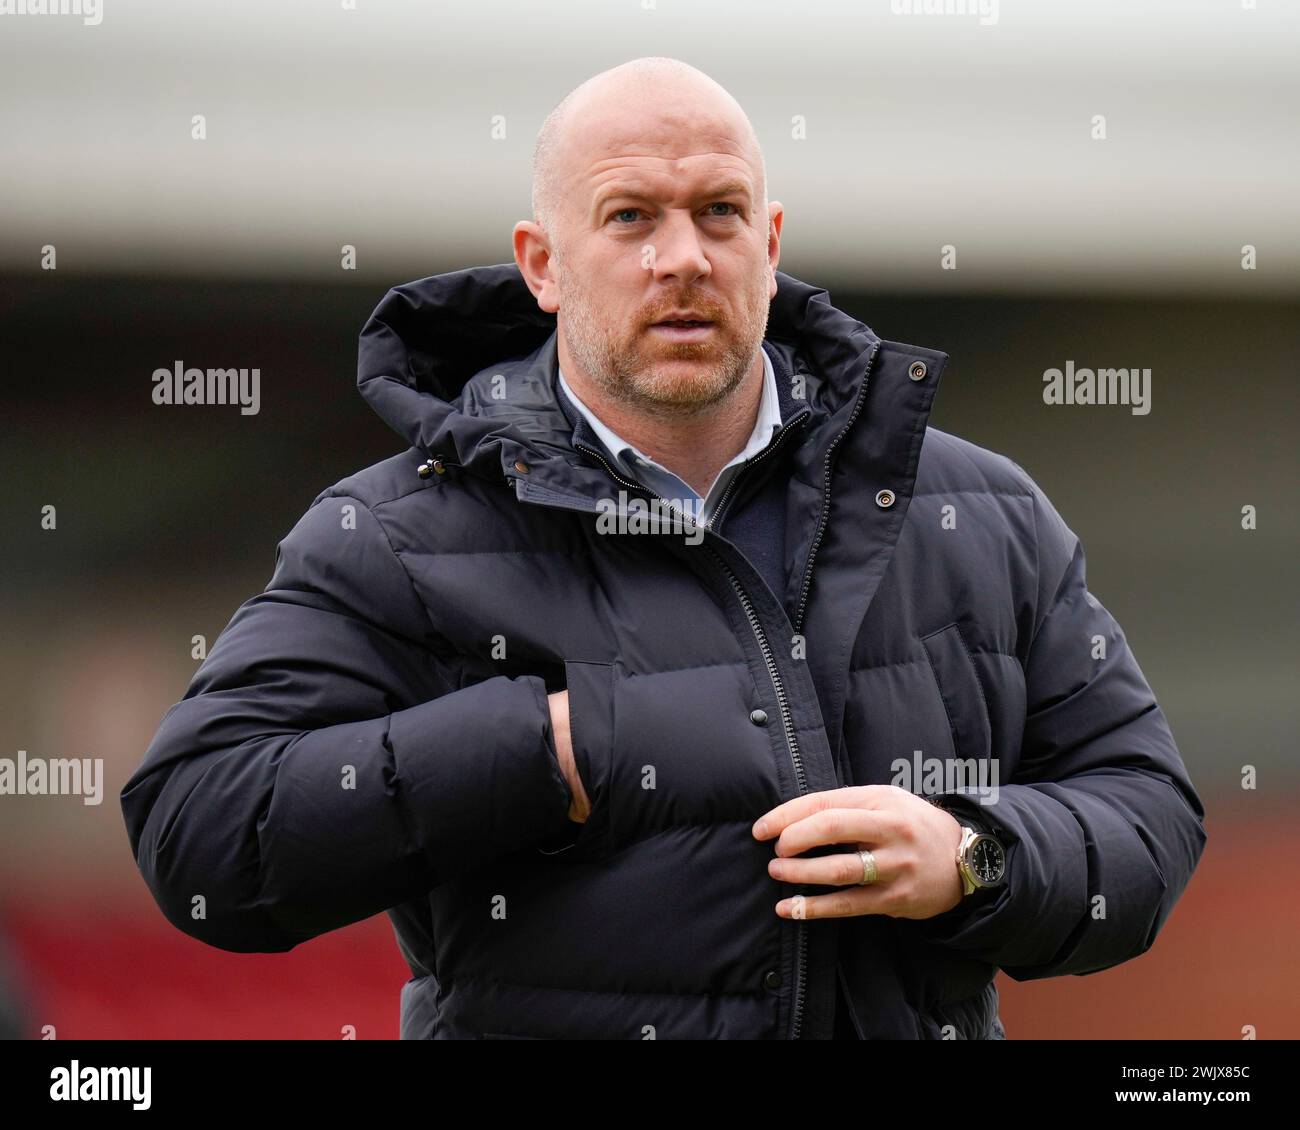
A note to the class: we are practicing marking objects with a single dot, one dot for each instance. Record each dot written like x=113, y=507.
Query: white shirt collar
x=637, y=462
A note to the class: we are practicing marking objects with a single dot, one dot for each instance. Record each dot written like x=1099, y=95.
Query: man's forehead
x=602, y=135
x=671, y=182
x=667, y=166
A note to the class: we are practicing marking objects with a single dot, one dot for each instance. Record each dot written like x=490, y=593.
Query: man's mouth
x=683, y=331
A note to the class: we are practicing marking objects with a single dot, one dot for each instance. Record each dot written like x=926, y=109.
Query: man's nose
x=678, y=252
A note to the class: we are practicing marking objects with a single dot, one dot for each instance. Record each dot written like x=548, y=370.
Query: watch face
x=987, y=860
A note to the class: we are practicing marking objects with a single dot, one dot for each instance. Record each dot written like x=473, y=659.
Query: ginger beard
x=651, y=373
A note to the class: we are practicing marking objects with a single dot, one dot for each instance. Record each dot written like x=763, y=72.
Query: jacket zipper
x=774, y=673
x=801, y=940
x=641, y=487
x=801, y=927
x=722, y=502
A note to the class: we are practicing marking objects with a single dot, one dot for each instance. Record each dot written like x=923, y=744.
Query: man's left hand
x=914, y=844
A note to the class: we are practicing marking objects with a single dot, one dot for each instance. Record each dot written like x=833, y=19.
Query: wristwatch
x=981, y=859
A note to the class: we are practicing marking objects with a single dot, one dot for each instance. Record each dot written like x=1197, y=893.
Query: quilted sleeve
x=321, y=767
x=1102, y=825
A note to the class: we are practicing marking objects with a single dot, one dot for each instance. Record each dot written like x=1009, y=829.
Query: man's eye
x=634, y=212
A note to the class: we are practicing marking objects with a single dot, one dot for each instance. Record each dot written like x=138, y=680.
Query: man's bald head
x=608, y=110
x=654, y=244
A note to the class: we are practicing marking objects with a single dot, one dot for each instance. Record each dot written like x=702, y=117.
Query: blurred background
x=1117, y=182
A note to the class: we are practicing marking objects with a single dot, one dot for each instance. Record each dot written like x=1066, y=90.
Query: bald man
x=647, y=163
x=656, y=247
x=609, y=689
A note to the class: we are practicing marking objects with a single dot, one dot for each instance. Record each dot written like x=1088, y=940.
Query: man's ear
x=533, y=257
x=775, y=215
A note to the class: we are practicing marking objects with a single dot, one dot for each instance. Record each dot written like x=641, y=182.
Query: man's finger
x=837, y=826
x=774, y=822
x=833, y=870
x=871, y=899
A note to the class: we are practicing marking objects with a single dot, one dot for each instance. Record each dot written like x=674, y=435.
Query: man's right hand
x=580, y=809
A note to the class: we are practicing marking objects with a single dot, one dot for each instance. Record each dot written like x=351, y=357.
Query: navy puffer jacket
x=371, y=732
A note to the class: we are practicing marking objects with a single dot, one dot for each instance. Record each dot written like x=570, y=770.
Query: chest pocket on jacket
x=961, y=692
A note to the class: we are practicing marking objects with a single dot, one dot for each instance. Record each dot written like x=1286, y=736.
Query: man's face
x=656, y=222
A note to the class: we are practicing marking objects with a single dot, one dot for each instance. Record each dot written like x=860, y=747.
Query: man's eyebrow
x=726, y=188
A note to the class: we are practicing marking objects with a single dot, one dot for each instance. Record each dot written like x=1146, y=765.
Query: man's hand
x=580, y=809
x=913, y=841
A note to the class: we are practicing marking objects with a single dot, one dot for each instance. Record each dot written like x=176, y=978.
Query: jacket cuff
x=967, y=812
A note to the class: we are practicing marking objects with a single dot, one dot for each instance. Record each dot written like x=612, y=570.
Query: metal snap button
x=771, y=979
x=917, y=370
x=521, y=466
x=758, y=717
x=884, y=498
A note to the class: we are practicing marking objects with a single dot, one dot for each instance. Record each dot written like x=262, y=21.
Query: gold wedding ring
x=868, y=867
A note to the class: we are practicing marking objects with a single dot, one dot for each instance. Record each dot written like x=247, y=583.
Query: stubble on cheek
x=631, y=364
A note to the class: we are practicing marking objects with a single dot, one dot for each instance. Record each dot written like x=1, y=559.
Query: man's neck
x=693, y=447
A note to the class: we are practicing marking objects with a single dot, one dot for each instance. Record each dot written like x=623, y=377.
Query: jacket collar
x=464, y=366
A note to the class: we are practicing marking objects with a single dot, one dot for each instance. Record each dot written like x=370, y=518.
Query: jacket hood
x=463, y=364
